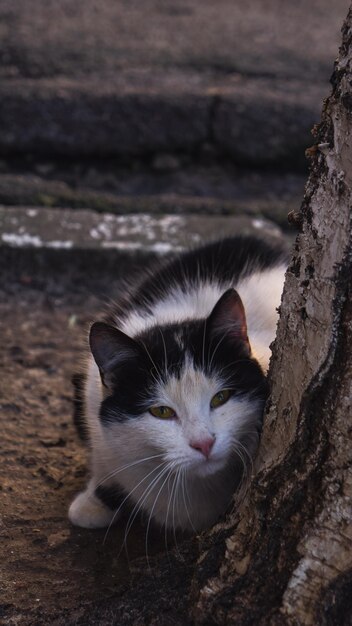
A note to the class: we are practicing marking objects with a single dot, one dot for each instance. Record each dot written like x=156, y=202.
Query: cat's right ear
x=110, y=346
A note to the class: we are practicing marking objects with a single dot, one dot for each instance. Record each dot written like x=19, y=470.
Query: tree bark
x=285, y=556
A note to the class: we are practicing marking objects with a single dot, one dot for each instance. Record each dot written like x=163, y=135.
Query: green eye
x=220, y=398
x=164, y=412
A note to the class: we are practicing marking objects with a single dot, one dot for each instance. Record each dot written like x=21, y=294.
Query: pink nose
x=203, y=445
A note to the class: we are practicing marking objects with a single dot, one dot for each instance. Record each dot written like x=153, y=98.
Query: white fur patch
x=260, y=294
x=89, y=512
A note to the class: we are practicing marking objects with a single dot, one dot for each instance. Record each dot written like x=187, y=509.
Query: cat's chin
x=205, y=468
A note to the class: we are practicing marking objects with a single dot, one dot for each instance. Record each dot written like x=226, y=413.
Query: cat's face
x=189, y=392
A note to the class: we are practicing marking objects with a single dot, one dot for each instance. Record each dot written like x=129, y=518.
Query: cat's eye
x=220, y=398
x=164, y=412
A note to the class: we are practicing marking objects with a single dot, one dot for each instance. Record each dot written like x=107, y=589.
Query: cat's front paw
x=87, y=511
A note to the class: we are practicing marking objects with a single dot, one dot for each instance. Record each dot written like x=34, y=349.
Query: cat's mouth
x=206, y=467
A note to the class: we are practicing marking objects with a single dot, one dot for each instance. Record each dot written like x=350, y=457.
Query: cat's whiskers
x=173, y=506
x=165, y=353
x=239, y=449
x=137, y=508
x=129, y=494
x=125, y=467
x=152, y=511
x=139, y=504
x=215, y=349
x=168, y=509
x=171, y=497
x=186, y=497
x=203, y=344
x=177, y=480
x=153, y=363
x=252, y=431
x=238, y=443
x=230, y=365
x=255, y=435
x=243, y=480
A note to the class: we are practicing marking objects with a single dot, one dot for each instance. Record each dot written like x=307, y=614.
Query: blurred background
x=128, y=129
x=180, y=108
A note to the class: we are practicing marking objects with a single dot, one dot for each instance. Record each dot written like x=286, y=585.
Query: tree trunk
x=287, y=552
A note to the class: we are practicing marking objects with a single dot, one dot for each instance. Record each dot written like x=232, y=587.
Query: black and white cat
x=176, y=386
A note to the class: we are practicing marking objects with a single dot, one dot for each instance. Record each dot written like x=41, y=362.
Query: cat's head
x=190, y=392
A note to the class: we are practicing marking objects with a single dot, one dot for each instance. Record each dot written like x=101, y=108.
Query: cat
x=176, y=386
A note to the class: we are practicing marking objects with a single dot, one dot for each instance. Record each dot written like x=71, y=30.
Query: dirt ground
x=51, y=572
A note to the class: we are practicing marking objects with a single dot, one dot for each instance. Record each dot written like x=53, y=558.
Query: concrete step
x=256, y=123
x=37, y=241
x=210, y=190
x=245, y=80
x=65, y=229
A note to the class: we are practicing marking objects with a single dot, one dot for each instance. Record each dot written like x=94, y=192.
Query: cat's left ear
x=228, y=318
x=110, y=347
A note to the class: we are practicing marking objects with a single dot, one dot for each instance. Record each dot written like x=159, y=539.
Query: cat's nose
x=203, y=445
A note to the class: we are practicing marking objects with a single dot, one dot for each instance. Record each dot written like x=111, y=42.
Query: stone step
x=258, y=123
x=132, y=79
x=210, y=190
x=36, y=240
x=66, y=229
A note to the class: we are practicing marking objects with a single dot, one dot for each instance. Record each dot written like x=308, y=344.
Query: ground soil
x=51, y=572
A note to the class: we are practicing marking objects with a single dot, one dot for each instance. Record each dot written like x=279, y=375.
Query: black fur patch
x=112, y=497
